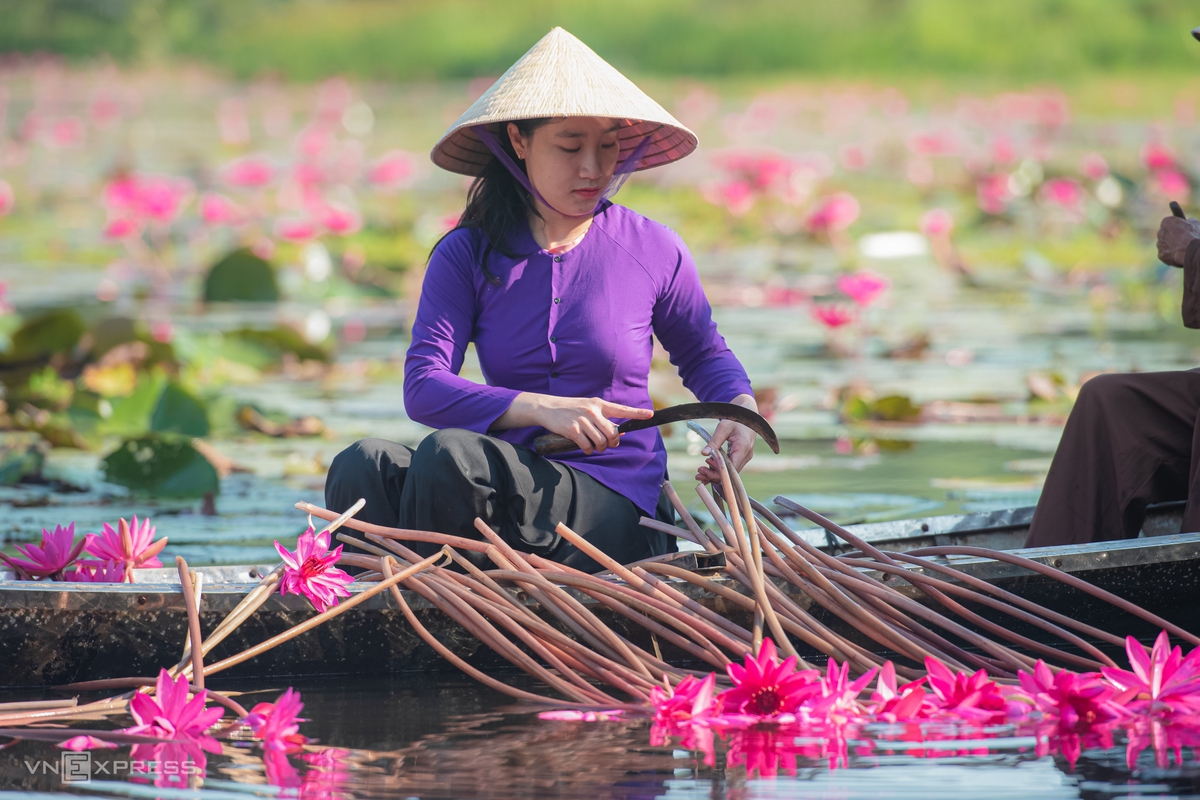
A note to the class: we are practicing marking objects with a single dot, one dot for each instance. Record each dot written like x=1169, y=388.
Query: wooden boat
x=55, y=633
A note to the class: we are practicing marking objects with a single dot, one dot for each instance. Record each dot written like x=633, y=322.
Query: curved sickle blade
x=552, y=443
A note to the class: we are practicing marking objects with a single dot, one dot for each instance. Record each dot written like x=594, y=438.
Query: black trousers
x=456, y=475
x=1131, y=440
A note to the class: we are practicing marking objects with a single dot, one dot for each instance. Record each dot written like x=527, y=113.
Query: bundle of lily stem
x=541, y=616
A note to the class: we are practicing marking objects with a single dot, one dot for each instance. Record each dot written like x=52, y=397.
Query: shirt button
x=554, y=338
x=557, y=300
x=558, y=258
x=553, y=374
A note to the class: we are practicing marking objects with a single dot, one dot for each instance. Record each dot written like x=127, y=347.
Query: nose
x=589, y=165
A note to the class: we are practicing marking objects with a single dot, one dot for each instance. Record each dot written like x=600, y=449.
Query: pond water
x=423, y=736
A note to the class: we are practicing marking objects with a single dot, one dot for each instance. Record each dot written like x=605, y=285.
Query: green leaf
x=178, y=411
x=282, y=339
x=46, y=334
x=131, y=415
x=164, y=466
x=241, y=276
x=896, y=408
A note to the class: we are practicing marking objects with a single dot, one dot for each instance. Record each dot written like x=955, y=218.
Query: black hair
x=497, y=204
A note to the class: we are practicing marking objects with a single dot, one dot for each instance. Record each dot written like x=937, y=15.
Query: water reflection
x=443, y=736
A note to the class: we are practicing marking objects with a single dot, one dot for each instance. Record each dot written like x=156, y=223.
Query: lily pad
x=242, y=277
x=44, y=335
x=164, y=466
x=178, y=411
x=282, y=339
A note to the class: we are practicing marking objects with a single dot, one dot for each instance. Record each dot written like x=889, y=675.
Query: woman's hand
x=583, y=420
x=740, y=439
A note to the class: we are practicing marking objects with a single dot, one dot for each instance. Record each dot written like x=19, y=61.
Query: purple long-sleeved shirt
x=572, y=325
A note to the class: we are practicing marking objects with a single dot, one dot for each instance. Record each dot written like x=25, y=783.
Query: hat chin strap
x=620, y=174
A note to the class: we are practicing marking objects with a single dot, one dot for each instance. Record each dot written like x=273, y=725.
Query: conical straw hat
x=560, y=76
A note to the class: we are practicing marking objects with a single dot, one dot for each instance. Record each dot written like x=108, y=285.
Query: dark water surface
x=444, y=736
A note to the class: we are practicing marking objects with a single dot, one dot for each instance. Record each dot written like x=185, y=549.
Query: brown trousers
x=1131, y=440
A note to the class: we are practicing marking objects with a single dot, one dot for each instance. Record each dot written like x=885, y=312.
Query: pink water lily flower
x=1072, y=698
x=832, y=316
x=690, y=699
x=275, y=724
x=131, y=546
x=766, y=687
x=78, y=743
x=1162, y=682
x=975, y=698
x=169, y=714
x=904, y=704
x=310, y=570
x=839, y=695
x=50, y=558
x=96, y=572
x=835, y=213
x=249, y=172
x=863, y=287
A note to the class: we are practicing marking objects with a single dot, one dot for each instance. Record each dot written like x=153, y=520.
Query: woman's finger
x=605, y=427
x=624, y=412
x=592, y=430
x=724, y=428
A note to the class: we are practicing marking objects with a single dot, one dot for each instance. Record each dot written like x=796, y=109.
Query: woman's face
x=570, y=161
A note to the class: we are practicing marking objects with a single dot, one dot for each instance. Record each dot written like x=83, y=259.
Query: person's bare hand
x=1174, y=236
x=583, y=420
x=741, y=444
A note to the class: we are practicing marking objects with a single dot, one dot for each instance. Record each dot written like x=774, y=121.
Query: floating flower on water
x=1163, y=682
x=1064, y=193
x=863, y=287
x=975, y=697
x=339, y=220
x=275, y=724
x=766, y=687
x=688, y=700
x=78, y=743
x=1071, y=698
x=1094, y=166
x=833, y=316
x=903, y=704
x=937, y=223
x=169, y=714
x=217, y=209
x=993, y=194
x=131, y=546
x=96, y=572
x=7, y=199
x=1157, y=156
x=48, y=559
x=296, y=229
x=834, y=213
x=393, y=170
x=737, y=196
x=310, y=570
x=1171, y=183
x=138, y=197
x=573, y=715
x=121, y=228
x=249, y=172
x=839, y=695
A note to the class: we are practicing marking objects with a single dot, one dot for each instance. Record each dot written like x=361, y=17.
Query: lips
x=589, y=193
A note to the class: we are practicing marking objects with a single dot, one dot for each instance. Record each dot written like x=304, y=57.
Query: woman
x=560, y=291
